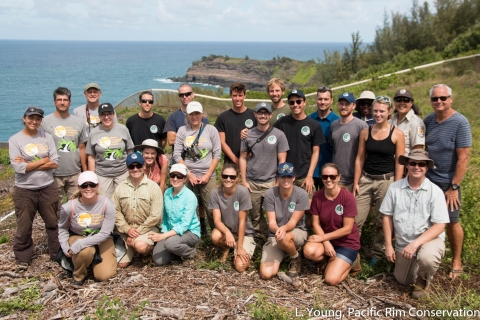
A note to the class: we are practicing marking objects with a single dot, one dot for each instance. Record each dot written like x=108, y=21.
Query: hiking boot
x=76, y=283
x=356, y=266
x=420, y=289
x=295, y=266
x=21, y=267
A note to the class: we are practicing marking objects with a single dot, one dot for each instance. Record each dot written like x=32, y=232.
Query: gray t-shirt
x=262, y=166
x=208, y=143
x=67, y=134
x=110, y=149
x=32, y=149
x=229, y=207
x=344, y=140
x=81, y=112
x=284, y=208
x=86, y=220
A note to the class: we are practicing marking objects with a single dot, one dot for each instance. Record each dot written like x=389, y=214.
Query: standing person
x=285, y=205
x=70, y=136
x=156, y=164
x=89, y=111
x=233, y=229
x=376, y=167
x=180, y=226
x=324, y=116
x=414, y=209
x=33, y=157
x=86, y=222
x=107, y=149
x=304, y=136
x=256, y=163
x=146, y=124
x=139, y=208
x=448, y=141
x=406, y=119
x=363, y=107
x=197, y=146
x=230, y=123
x=344, y=135
x=336, y=237
x=276, y=90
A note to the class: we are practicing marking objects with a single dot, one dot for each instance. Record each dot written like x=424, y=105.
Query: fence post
x=477, y=63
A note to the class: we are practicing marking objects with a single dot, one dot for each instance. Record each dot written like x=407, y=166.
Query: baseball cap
x=296, y=93
x=265, y=106
x=33, y=110
x=87, y=176
x=347, y=96
x=194, y=106
x=91, y=85
x=367, y=95
x=180, y=168
x=285, y=169
x=403, y=93
x=417, y=154
x=135, y=157
x=105, y=107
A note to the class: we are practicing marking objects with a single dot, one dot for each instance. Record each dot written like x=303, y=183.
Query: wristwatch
x=455, y=186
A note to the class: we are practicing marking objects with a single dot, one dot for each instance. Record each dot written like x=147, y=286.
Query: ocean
x=31, y=70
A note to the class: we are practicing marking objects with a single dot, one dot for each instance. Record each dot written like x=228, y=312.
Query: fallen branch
x=339, y=303
x=10, y=274
x=353, y=294
x=222, y=313
x=168, y=312
x=394, y=303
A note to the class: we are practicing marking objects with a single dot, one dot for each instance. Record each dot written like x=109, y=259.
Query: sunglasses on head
x=146, y=101
x=179, y=176
x=443, y=98
x=135, y=166
x=285, y=169
x=323, y=89
x=292, y=102
x=331, y=176
x=231, y=176
x=33, y=109
x=419, y=164
x=403, y=99
x=85, y=185
x=186, y=94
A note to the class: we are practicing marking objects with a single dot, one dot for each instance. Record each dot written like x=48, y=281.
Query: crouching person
x=180, y=225
x=414, y=208
x=84, y=231
x=139, y=206
x=285, y=205
x=233, y=229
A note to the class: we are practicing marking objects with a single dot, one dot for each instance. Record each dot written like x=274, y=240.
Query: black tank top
x=380, y=154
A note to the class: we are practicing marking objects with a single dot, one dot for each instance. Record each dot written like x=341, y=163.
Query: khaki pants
x=256, y=213
x=425, y=264
x=271, y=252
x=128, y=257
x=67, y=185
x=107, y=185
x=203, y=191
x=101, y=271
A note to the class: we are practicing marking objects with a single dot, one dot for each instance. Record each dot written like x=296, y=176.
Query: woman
x=86, y=222
x=363, y=107
x=233, y=229
x=197, y=145
x=33, y=156
x=376, y=167
x=180, y=226
x=155, y=167
x=107, y=149
x=406, y=119
x=336, y=236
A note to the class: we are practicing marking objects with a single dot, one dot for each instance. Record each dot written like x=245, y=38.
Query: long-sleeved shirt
x=180, y=212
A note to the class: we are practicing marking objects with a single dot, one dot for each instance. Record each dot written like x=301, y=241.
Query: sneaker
x=295, y=266
x=22, y=267
x=420, y=289
x=356, y=266
x=372, y=262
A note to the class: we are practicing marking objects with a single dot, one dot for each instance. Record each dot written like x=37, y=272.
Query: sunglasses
x=292, y=102
x=323, y=89
x=40, y=111
x=135, y=166
x=443, y=98
x=331, y=176
x=85, y=185
x=146, y=101
x=367, y=103
x=179, y=176
x=106, y=114
x=419, y=164
x=226, y=176
x=186, y=94
x=285, y=169
x=403, y=99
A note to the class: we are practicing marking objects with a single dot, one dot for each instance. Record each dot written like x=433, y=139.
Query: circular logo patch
x=305, y=131
x=421, y=132
x=272, y=140
x=236, y=206
x=249, y=123
x=291, y=206
x=339, y=209
x=294, y=91
x=263, y=104
x=134, y=156
x=345, y=94
x=280, y=115
x=403, y=91
x=60, y=131
x=346, y=137
x=153, y=129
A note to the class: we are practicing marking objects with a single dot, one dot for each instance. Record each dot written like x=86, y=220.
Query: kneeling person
x=285, y=205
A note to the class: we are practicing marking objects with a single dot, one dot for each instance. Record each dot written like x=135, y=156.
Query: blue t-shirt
x=441, y=141
x=177, y=120
x=326, y=150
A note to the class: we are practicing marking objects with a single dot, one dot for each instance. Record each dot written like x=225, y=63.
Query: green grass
x=4, y=239
x=115, y=310
x=266, y=310
x=304, y=73
x=22, y=301
x=456, y=297
x=4, y=157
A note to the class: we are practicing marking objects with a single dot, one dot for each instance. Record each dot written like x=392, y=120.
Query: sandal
x=454, y=273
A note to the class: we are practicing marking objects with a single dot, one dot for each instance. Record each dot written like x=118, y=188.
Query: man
x=231, y=122
x=263, y=144
x=275, y=90
x=177, y=118
x=70, y=136
x=325, y=117
x=146, y=124
x=414, y=209
x=304, y=136
x=364, y=107
x=448, y=140
x=344, y=135
x=89, y=111
x=139, y=204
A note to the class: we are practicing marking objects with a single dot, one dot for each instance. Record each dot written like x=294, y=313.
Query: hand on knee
x=123, y=264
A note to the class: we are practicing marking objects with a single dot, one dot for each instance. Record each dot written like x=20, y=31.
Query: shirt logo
x=346, y=137
x=249, y=123
x=133, y=156
x=291, y=206
x=280, y=115
x=153, y=129
x=272, y=140
x=305, y=131
x=421, y=132
x=339, y=209
x=236, y=206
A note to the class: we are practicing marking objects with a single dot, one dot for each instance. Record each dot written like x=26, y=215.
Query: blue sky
x=198, y=20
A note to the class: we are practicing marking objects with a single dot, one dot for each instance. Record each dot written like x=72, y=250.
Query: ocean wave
x=164, y=80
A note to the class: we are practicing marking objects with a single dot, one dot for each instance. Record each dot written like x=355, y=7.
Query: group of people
x=289, y=181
